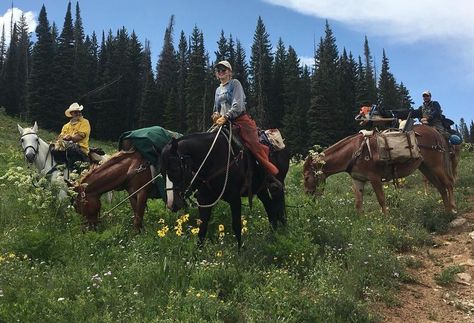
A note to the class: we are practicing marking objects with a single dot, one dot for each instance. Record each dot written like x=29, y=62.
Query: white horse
x=37, y=152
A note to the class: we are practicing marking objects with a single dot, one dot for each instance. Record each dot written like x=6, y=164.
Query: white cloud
x=445, y=22
x=308, y=61
x=6, y=18
x=404, y=20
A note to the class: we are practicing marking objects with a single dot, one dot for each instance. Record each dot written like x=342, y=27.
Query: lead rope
x=226, y=172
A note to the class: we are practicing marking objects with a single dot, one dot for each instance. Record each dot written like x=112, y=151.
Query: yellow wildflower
x=221, y=228
x=195, y=230
x=219, y=253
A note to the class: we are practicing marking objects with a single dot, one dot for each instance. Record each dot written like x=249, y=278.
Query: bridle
x=35, y=149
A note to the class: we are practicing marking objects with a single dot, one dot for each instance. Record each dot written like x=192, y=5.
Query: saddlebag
x=395, y=146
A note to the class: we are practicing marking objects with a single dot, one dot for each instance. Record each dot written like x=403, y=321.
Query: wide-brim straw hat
x=73, y=107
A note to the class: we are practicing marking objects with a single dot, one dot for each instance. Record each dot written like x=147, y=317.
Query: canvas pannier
x=397, y=146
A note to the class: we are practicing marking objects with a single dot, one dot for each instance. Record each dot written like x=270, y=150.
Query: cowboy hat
x=73, y=107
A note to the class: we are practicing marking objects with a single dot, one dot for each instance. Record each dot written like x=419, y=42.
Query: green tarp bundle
x=149, y=142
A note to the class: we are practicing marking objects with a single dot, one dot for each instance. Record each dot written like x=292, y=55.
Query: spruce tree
x=369, y=74
x=325, y=120
x=63, y=67
x=463, y=130
x=404, y=95
x=195, y=87
x=3, y=51
x=80, y=69
x=260, y=71
x=471, y=132
x=24, y=64
x=232, y=52
x=362, y=91
x=179, y=123
x=41, y=91
x=347, y=72
x=388, y=93
x=240, y=69
x=276, y=108
x=165, y=74
x=149, y=92
x=222, y=52
x=10, y=80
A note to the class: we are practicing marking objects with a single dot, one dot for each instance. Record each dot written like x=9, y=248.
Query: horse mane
x=343, y=141
x=114, y=159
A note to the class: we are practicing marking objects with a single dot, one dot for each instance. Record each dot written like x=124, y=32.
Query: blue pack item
x=455, y=140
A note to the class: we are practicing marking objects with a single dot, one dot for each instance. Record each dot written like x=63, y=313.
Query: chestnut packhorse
x=345, y=156
x=125, y=170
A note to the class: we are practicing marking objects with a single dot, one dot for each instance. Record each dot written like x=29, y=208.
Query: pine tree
x=63, y=67
x=324, y=118
x=388, y=93
x=471, y=132
x=369, y=74
x=222, y=52
x=3, y=48
x=260, y=70
x=463, y=130
x=195, y=87
x=240, y=68
x=80, y=71
x=149, y=93
x=135, y=80
x=362, y=92
x=294, y=119
x=41, y=91
x=347, y=73
x=166, y=74
x=179, y=123
x=404, y=95
x=24, y=64
x=10, y=80
x=232, y=52
x=276, y=108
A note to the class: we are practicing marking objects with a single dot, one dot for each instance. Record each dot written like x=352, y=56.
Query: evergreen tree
x=24, y=64
x=404, y=95
x=149, y=93
x=471, y=132
x=362, y=92
x=388, y=93
x=3, y=48
x=222, y=52
x=463, y=130
x=135, y=80
x=10, y=79
x=369, y=74
x=347, y=72
x=182, y=74
x=63, y=67
x=240, y=68
x=294, y=119
x=232, y=52
x=195, y=87
x=260, y=70
x=80, y=71
x=276, y=108
x=41, y=92
x=166, y=74
x=325, y=120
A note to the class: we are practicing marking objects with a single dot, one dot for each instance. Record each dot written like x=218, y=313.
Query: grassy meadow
x=329, y=265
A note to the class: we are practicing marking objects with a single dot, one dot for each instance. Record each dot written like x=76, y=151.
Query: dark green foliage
x=149, y=92
x=261, y=60
x=369, y=72
x=471, y=132
x=404, y=95
x=10, y=77
x=387, y=90
x=40, y=88
x=276, y=108
x=463, y=130
x=347, y=71
x=240, y=69
x=182, y=74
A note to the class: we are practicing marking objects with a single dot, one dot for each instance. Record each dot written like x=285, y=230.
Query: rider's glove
x=221, y=121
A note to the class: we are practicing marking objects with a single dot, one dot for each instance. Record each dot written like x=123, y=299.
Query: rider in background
x=229, y=104
x=72, y=144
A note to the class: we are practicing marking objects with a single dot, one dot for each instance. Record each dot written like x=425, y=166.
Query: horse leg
x=139, y=210
x=205, y=215
x=378, y=189
x=236, y=210
x=442, y=185
x=358, y=188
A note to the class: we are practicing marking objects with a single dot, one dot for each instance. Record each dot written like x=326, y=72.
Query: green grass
x=448, y=275
x=328, y=265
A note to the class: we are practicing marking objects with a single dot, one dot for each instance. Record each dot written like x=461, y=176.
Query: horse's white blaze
x=169, y=193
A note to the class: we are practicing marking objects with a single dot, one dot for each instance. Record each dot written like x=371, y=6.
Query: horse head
x=29, y=141
x=177, y=169
x=314, y=177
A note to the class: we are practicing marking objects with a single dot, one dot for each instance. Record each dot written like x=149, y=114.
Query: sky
x=429, y=43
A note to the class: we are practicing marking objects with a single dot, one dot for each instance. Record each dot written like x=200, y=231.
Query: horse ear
x=20, y=129
x=35, y=127
x=174, y=146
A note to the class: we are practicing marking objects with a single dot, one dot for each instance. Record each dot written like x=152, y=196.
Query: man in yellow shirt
x=73, y=142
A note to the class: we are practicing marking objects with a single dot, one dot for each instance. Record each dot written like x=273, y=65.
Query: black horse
x=220, y=175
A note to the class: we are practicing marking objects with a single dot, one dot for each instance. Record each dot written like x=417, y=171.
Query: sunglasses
x=426, y=96
x=221, y=70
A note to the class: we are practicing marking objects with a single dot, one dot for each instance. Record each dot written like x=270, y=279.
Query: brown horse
x=352, y=156
x=123, y=171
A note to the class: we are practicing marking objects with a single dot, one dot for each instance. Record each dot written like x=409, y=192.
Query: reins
x=204, y=161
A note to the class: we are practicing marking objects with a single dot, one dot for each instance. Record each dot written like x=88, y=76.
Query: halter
x=36, y=151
